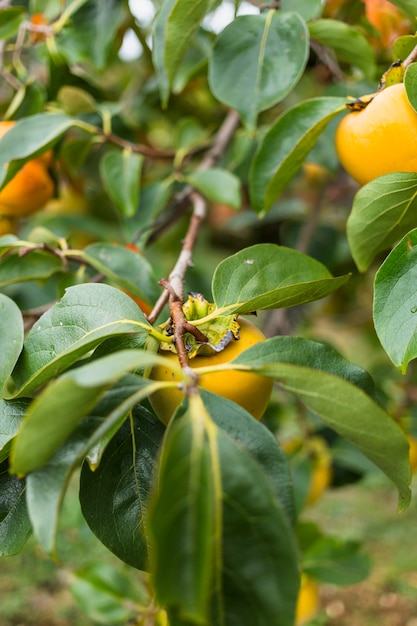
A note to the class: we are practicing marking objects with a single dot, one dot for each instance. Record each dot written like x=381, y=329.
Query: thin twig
x=176, y=277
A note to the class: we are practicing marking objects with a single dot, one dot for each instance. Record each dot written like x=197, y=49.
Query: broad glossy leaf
x=87, y=315
x=259, y=558
x=402, y=46
x=174, y=27
x=409, y=6
x=348, y=43
x=70, y=398
x=410, y=82
x=113, y=497
x=319, y=356
x=343, y=406
x=95, y=28
x=14, y=521
x=35, y=265
x=383, y=211
x=12, y=413
x=258, y=441
x=120, y=171
x=29, y=137
x=395, y=302
x=10, y=20
x=217, y=507
x=257, y=60
x=336, y=561
x=11, y=337
x=76, y=101
x=309, y=9
x=125, y=268
x=8, y=242
x=284, y=147
x=107, y=594
x=267, y=276
x=46, y=487
x=184, y=519
x=218, y=186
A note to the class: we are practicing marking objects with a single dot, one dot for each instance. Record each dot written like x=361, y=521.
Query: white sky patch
x=225, y=14
x=144, y=11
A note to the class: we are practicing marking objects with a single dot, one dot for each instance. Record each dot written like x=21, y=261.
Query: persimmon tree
x=146, y=152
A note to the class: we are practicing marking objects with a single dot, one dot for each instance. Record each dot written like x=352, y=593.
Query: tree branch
x=176, y=277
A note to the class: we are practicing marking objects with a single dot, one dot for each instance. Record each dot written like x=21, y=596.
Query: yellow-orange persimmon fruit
x=251, y=391
x=379, y=139
x=412, y=452
x=7, y=226
x=322, y=472
x=30, y=189
x=308, y=600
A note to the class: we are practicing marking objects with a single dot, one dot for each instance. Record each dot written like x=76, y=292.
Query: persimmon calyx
x=218, y=331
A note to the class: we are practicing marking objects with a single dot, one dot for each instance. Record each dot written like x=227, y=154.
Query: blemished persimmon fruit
x=31, y=187
x=250, y=391
x=379, y=139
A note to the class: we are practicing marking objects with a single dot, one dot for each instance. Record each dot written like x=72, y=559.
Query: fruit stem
x=180, y=324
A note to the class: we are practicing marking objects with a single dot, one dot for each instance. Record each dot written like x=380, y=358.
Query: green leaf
x=218, y=185
x=174, y=27
x=267, y=276
x=11, y=337
x=285, y=146
x=106, y=594
x=10, y=20
x=383, y=211
x=30, y=137
x=125, y=268
x=335, y=561
x=47, y=485
x=258, y=441
x=395, y=302
x=87, y=315
x=218, y=508
x=76, y=101
x=184, y=512
x=342, y=406
x=71, y=397
x=256, y=538
x=257, y=60
x=402, y=46
x=410, y=83
x=12, y=413
x=14, y=521
x=94, y=30
x=347, y=42
x=313, y=354
x=120, y=171
x=408, y=6
x=114, y=497
x=309, y=9
x=35, y=265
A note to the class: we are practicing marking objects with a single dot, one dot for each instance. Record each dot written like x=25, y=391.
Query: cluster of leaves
x=206, y=505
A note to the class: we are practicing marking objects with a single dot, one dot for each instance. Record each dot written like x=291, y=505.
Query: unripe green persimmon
x=250, y=391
